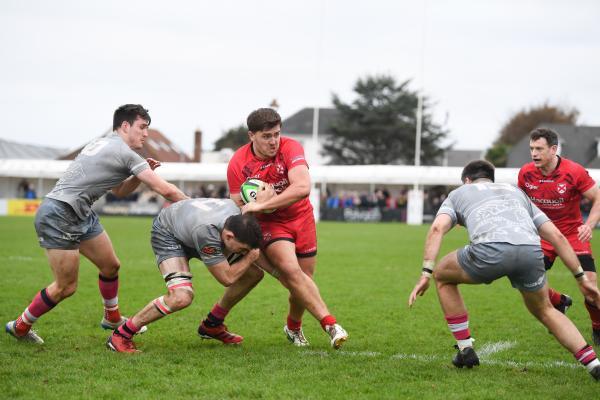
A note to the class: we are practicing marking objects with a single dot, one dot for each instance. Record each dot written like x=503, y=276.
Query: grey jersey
x=103, y=164
x=494, y=213
x=198, y=224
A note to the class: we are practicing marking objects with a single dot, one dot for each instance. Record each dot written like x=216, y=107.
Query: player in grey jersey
x=208, y=229
x=67, y=227
x=503, y=227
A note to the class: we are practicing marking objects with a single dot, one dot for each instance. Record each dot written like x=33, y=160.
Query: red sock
x=294, y=325
x=109, y=289
x=594, y=315
x=128, y=329
x=219, y=311
x=586, y=355
x=327, y=320
x=459, y=326
x=554, y=296
x=40, y=305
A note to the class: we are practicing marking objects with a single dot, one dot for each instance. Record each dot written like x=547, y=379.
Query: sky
x=65, y=66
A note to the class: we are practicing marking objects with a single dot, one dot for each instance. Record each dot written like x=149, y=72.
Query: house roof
x=156, y=146
x=301, y=123
x=577, y=143
x=15, y=150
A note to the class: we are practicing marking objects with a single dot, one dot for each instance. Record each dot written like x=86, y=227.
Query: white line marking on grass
x=484, y=352
x=491, y=348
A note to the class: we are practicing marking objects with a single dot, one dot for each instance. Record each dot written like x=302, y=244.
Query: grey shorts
x=58, y=227
x=165, y=245
x=522, y=264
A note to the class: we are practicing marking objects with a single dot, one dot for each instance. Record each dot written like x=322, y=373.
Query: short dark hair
x=245, y=228
x=545, y=133
x=262, y=119
x=478, y=169
x=129, y=113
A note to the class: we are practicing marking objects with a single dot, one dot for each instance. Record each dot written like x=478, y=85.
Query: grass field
x=365, y=274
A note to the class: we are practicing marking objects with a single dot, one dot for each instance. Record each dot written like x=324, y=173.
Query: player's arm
x=237, y=199
x=160, y=186
x=299, y=189
x=228, y=274
x=440, y=226
x=585, y=231
x=548, y=231
x=130, y=184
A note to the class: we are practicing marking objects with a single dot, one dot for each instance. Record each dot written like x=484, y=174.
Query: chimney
x=198, y=146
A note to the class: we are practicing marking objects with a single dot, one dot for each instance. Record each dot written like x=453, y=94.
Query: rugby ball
x=249, y=190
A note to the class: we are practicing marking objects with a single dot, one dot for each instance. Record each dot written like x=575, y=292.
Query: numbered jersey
x=101, y=165
x=198, y=224
x=494, y=213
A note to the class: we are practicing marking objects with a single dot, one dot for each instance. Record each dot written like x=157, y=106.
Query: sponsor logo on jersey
x=548, y=202
x=531, y=186
x=264, y=166
x=209, y=250
x=546, y=180
x=561, y=188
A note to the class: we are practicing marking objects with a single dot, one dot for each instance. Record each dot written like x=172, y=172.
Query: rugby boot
x=595, y=372
x=465, y=358
x=120, y=344
x=596, y=336
x=220, y=333
x=337, y=334
x=295, y=336
x=31, y=336
x=106, y=324
x=565, y=303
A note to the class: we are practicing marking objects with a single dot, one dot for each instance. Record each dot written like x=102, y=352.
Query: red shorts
x=580, y=248
x=301, y=231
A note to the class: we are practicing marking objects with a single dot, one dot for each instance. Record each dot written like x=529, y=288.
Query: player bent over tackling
x=503, y=227
x=208, y=229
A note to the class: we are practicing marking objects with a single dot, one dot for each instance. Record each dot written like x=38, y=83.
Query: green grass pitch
x=365, y=273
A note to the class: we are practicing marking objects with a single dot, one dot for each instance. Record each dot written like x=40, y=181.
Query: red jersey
x=244, y=164
x=559, y=193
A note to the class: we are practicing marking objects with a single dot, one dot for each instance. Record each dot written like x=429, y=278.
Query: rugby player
x=208, y=229
x=67, y=226
x=504, y=229
x=556, y=185
x=289, y=239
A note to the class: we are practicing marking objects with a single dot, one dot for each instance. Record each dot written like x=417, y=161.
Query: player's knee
x=64, y=291
x=181, y=298
x=292, y=276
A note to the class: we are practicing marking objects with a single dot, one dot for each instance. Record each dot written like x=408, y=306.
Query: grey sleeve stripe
x=138, y=165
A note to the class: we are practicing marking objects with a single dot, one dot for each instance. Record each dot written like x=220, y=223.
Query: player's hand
x=584, y=233
x=419, y=290
x=266, y=193
x=251, y=207
x=590, y=291
x=153, y=163
x=252, y=255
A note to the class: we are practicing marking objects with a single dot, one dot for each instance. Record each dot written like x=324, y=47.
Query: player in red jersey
x=556, y=185
x=289, y=234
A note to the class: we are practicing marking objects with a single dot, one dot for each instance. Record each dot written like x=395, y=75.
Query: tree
x=379, y=126
x=233, y=138
x=523, y=122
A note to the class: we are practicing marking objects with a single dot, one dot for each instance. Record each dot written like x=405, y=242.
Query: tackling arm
x=160, y=186
x=228, y=274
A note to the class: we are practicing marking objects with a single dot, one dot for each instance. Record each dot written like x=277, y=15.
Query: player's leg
x=180, y=293
x=560, y=301
x=99, y=250
x=293, y=326
x=448, y=274
x=589, y=266
x=213, y=327
x=562, y=328
x=282, y=254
